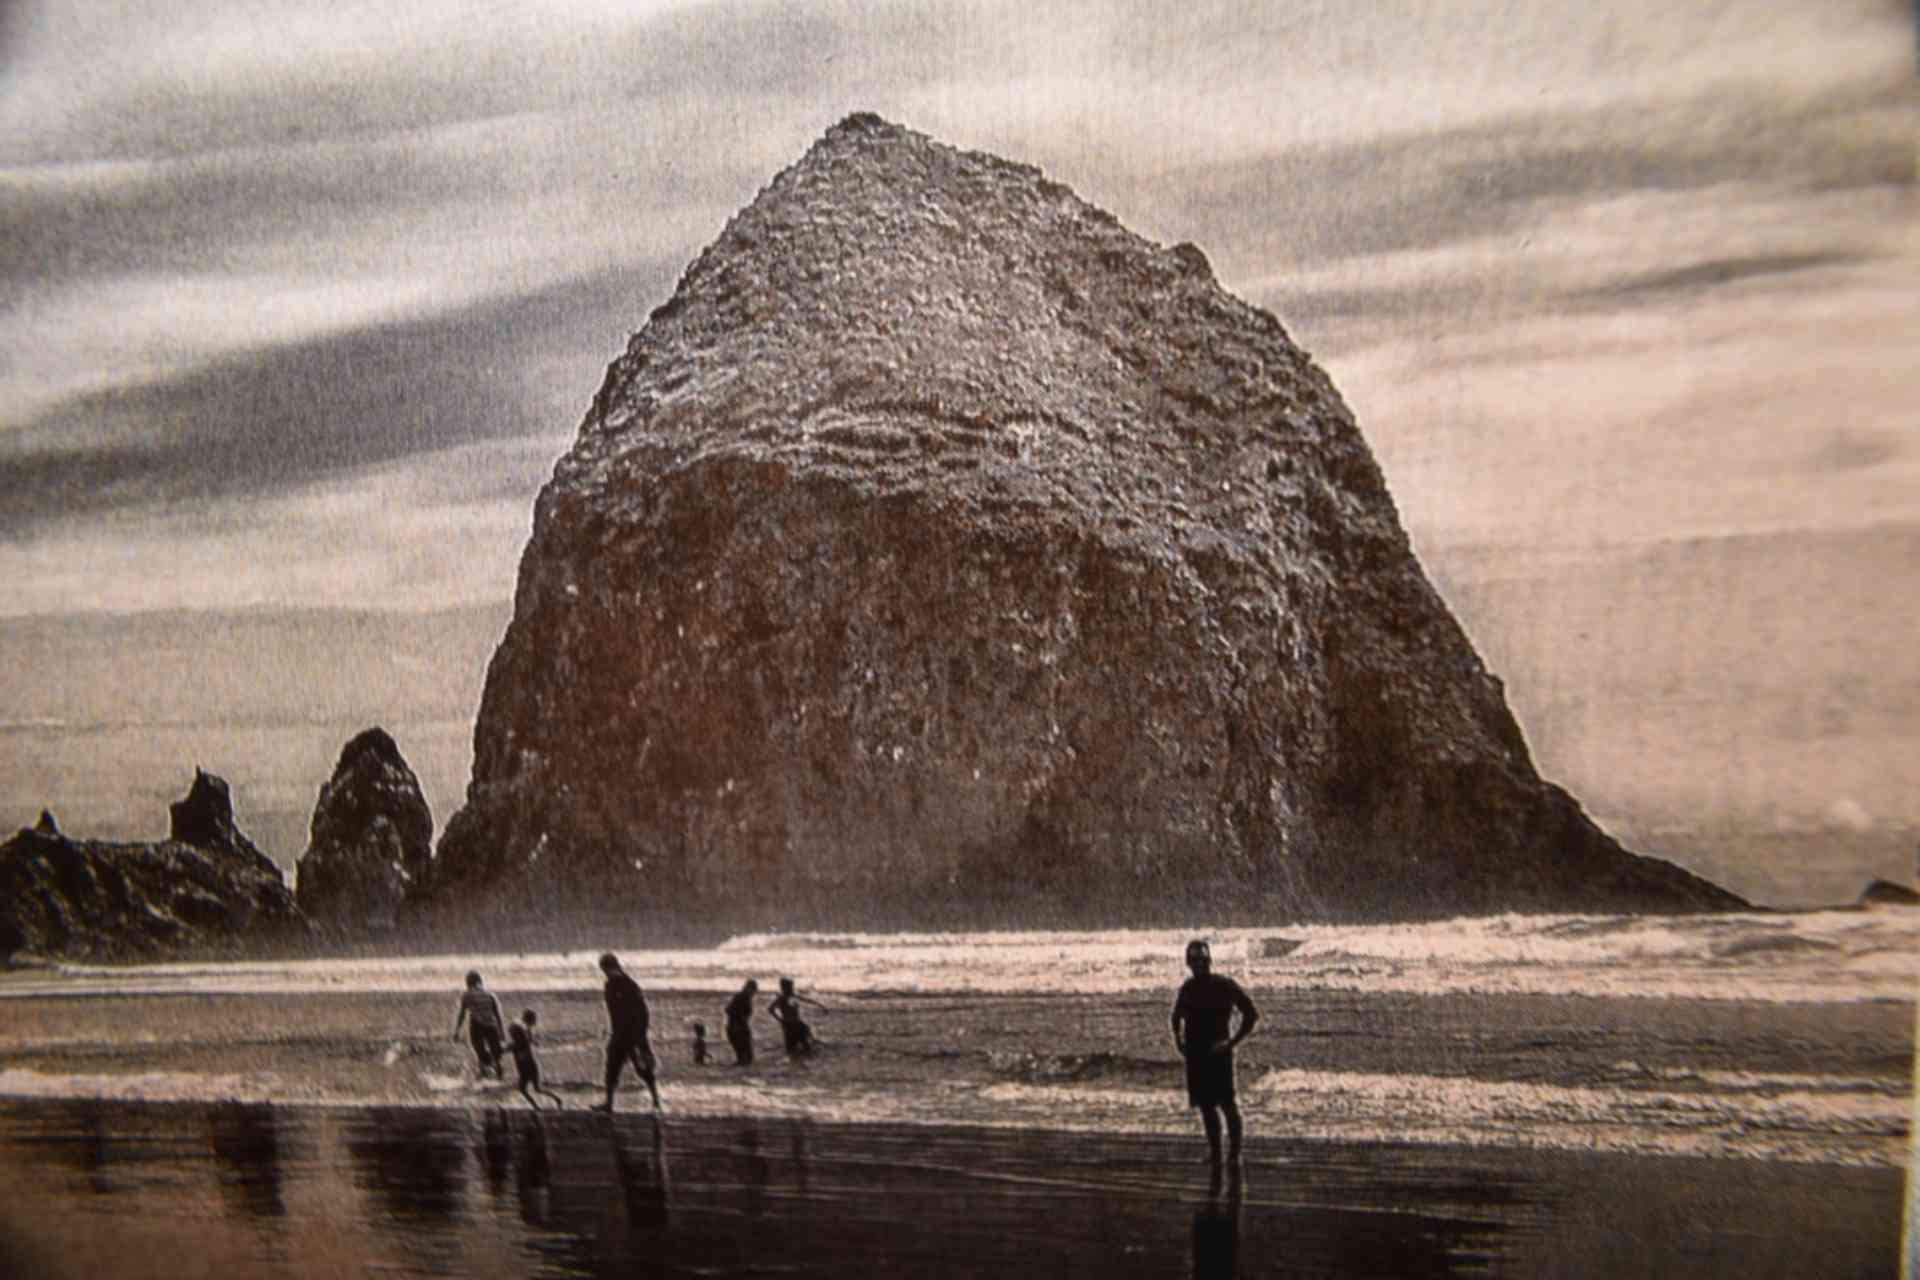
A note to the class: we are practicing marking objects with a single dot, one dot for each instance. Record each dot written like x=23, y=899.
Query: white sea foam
x=1784, y=1117
x=1831, y=956
x=146, y=1086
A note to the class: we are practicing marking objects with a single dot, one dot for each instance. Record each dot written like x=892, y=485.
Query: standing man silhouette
x=1202, y=1032
x=627, y=1019
x=740, y=1023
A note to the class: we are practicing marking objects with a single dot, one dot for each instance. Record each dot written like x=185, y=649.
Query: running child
x=520, y=1044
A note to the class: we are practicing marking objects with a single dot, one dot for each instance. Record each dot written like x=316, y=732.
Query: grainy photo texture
x=700, y=638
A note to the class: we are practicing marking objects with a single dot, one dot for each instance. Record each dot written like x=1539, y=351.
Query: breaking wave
x=1820, y=956
x=1078, y=1067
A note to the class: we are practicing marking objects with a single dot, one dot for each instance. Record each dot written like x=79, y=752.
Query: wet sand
x=1813, y=1083
x=991, y=1106
x=183, y=1189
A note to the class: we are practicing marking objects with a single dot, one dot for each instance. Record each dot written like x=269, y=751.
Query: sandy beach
x=1774, y=1038
x=1763, y=1086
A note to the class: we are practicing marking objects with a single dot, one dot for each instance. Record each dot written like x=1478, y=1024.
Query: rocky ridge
x=205, y=887
x=941, y=550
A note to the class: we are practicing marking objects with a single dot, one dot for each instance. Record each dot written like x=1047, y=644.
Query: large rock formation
x=943, y=550
x=205, y=887
x=371, y=838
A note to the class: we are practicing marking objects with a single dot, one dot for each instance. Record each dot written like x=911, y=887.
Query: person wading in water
x=627, y=1019
x=481, y=1012
x=740, y=1023
x=785, y=1008
x=1202, y=1014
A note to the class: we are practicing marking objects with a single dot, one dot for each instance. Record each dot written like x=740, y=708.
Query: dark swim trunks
x=1207, y=1004
x=524, y=1062
x=485, y=1039
x=622, y=1048
x=1209, y=1078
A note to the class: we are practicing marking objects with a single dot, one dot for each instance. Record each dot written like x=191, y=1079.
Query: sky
x=300, y=302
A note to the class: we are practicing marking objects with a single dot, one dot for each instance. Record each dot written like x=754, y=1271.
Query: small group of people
x=480, y=1011
x=628, y=1032
x=1204, y=1025
x=784, y=1009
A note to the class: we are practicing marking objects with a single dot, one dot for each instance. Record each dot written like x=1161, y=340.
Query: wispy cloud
x=299, y=303
x=260, y=247
x=276, y=418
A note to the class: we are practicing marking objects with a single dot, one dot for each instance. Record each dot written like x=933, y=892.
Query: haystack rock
x=371, y=838
x=943, y=551
x=207, y=888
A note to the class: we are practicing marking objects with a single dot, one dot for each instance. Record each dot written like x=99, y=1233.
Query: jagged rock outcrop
x=206, y=887
x=371, y=838
x=943, y=550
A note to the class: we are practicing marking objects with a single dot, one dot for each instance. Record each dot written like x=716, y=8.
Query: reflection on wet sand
x=118, y=1190
x=642, y=1179
x=1216, y=1228
x=533, y=1173
x=495, y=1151
x=247, y=1142
x=412, y=1165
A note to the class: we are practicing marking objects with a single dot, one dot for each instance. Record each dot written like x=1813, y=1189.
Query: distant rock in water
x=941, y=550
x=207, y=887
x=372, y=838
x=1887, y=893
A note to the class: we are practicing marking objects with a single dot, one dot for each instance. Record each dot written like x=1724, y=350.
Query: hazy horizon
x=302, y=304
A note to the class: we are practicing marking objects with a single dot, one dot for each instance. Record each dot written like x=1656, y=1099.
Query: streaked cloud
x=278, y=417
x=299, y=303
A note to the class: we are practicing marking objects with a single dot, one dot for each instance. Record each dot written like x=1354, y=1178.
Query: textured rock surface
x=1887, y=893
x=371, y=838
x=941, y=549
x=207, y=887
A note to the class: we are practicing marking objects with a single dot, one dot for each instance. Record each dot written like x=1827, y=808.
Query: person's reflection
x=643, y=1181
x=413, y=1161
x=495, y=1149
x=533, y=1174
x=1216, y=1230
x=246, y=1141
x=96, y=1150
x=754, y=1174
x=802, y=1165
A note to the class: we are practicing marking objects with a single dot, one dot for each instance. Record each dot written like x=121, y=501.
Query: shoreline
x=1801, y=1084
x=1038, y=1113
